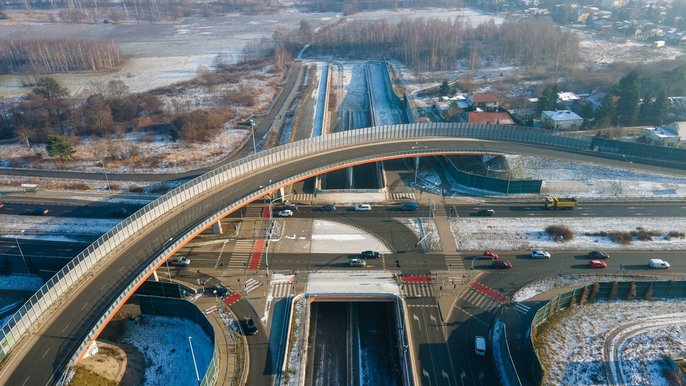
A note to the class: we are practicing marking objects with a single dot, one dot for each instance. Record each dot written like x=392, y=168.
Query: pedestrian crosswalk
x=241, y=254
x=280, y=289
x=454, y=263
x=480, y=300
x=522, y=308
x=302, y=197
x=397, y=196
x=417, y=290
x=251, y=285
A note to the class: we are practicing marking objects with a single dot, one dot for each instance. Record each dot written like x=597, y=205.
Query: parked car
x=40, y=212
x=501, y=264
x=370, y=254
x=490, y=255
x=540, y=254
x=658, y=264
x=598, y=255
x=250, y=326
x=363, y=207
x=285, y=213
x=291, y=207
x=181, y=261
x=480, y=345
x=597, y=264
x=328, y=208
x=485, y=212
x=358, y=263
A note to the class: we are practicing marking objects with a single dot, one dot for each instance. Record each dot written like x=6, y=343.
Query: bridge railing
x=55, y=289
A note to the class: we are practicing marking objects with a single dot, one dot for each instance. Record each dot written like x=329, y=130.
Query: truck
x=555, y=203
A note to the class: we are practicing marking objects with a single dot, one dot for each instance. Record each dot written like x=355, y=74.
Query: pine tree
x=445, y=88
x=628, y=91
x=59, y=146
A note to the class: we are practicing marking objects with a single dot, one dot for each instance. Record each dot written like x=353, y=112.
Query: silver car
x=540, y=254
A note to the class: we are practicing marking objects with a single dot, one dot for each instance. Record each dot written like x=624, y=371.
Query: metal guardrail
x=26, y=319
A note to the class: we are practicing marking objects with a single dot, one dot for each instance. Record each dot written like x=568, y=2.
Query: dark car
x=291, y=207
x=598, y=255
x=370, y=254
x=250, y=326
x=485, y=212
x=217, y=290
x=328, y=208
x=501, y=264
x=40, y=212
x=118, y=211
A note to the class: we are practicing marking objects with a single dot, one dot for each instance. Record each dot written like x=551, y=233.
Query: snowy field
x=513, y=234
x=164, y=342
x=574, y=344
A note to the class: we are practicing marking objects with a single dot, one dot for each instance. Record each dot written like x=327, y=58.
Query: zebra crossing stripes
x=454, y=263
x=397, y=196
x=251, y=285
x=302, y=197
x=522, y=308
x=481, y=301
x=417, y=290
x=280, y=289
x=241, y=254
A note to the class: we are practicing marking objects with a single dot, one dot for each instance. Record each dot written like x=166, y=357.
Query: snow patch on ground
x=514, y=234
x=573, y=353
x=164, y=342
x=20, y=283
x=54, y=228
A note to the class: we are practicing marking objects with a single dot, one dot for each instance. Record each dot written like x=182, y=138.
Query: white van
x=658, y=264
x=180, y=260
x=480, y=345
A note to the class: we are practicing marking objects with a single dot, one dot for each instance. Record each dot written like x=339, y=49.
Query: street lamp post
x=21, y=253
x=270, y=227
x=195, y=364
x=252, y=130
x=104, y=168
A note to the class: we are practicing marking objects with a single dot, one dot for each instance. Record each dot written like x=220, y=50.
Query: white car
x=540, y=254
x=357, y=263
x=363, y=207
x=285, y=213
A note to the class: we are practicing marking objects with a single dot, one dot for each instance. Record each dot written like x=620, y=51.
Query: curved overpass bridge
x=53, y=329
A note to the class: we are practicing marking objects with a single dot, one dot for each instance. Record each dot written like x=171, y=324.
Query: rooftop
x=500, y=118
x=484, y=98
x=562, y=115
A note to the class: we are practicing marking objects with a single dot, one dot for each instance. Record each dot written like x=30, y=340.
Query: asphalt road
x=51, y=346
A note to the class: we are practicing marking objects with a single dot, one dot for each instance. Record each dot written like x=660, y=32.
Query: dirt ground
x=115, y=363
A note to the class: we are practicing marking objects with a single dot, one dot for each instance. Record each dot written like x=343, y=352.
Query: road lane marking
x=84, y=306
x=27, y=379
x=45, y=353
x=65, y=327
x=472, y=315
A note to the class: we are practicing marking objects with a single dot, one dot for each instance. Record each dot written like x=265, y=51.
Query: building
x=484, y=101
x=486, y=117
x=561, y=120
x=567, y=99
x=660, y=136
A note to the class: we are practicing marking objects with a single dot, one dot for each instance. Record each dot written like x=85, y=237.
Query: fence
x=214, y=184
x=162, y=306
x=492, y=184
x=599, y=291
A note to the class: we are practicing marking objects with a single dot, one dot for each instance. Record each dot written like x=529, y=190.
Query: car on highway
x=597, y=264
x=328, y=208
x=40, y=212
x=285, y=213
x=250, y=326
x=595, y=255
x=490, y=255
x=370, y=254
x=540, y=254
x=658, y=264
x=358, y=263
x=363, y=208
x=501, y=264
x=291, y=207
x=118, y=211
x=409, y=206
x=485, y=212
x=480, y=345
x=180, y=261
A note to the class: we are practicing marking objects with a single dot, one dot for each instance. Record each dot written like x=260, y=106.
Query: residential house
x=561, y=120
x=662, y=136
x=567, y=99
x=487, y=117
x=484, y=101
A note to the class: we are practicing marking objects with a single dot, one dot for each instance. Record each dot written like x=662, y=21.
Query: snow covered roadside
x=164, y=342
x=295, y=361
x=573, y=354
x=512, y=234
x=20, y=283
x=54, y=228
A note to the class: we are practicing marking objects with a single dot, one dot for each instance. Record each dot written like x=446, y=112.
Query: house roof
x=567, y=96
x=662, y=132
x=562, y=115
x=484, y=98
x=483, y=117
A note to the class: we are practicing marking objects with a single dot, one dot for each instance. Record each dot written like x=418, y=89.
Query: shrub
x=114, y=186
x=135, y=189
x=621, y=237
x=558, y=232
x=675, y=235
x=78, y=186
x=160, y=189
x=644, y=235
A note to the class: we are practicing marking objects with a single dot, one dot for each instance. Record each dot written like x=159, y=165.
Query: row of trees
x=436, y=45
x=353, y=6
x=58, y=55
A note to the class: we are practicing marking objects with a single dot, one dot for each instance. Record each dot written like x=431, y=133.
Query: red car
x=490, y=255
x=597, y=264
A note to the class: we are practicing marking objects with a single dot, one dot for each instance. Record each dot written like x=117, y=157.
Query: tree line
x=438, y=45
x=46, y=56
x=352, y=6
